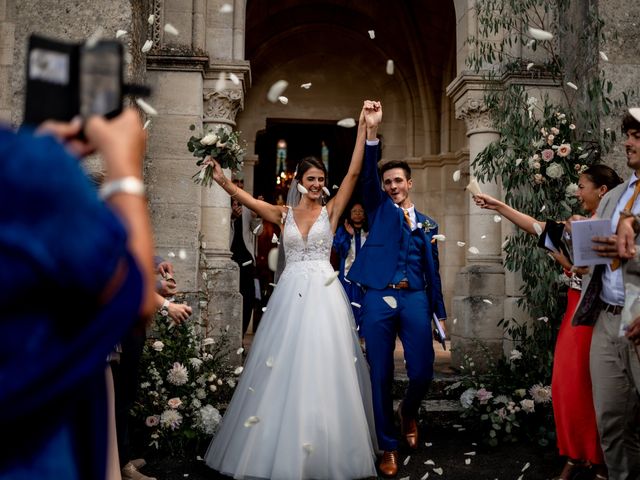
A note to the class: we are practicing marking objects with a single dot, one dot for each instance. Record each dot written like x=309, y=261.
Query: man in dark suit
x=398, y=267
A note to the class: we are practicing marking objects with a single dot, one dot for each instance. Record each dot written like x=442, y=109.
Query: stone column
x=480, y=285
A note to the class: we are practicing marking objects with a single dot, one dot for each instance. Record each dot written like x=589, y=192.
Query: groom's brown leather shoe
x=409, y=429
x=389, y=464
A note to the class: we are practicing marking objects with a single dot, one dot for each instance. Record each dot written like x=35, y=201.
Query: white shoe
x=130, y=472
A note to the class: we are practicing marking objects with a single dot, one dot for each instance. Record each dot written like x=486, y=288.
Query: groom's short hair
x=396, y=164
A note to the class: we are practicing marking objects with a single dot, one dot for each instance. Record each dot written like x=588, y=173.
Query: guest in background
x=347, y=242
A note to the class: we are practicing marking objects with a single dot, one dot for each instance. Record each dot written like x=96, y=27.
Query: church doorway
x=285, y=142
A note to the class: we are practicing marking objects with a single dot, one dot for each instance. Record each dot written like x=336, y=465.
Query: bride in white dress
x=302, y=407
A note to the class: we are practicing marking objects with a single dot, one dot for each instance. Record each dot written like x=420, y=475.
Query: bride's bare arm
x=268, y=212
x=337, y=204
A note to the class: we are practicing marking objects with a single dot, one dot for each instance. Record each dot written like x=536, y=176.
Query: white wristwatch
x=164, y=309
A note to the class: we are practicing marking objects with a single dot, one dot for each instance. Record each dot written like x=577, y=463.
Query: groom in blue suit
x=398, y=267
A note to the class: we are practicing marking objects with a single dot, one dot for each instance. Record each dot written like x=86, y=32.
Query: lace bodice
x=317, y=246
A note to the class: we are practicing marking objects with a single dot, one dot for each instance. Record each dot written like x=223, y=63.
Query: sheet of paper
x=441, y=337
x=581, y=233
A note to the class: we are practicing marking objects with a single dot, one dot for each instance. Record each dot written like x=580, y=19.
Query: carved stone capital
x=221, y=107
x=476, y=116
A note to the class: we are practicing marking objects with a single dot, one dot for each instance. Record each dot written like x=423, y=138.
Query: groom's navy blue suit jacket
x=376, y=263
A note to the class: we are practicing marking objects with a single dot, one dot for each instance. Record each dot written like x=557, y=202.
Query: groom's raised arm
x=372, y=193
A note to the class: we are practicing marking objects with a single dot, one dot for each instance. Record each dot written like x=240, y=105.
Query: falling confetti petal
x=438, y=471
x=497, y=218
x=269, y=362
x=530, y=43
x=520, y=477
x=487, y=301
x=572, y=85
x=456, y=176
x=372, y=34
x=455, y=320
x=234, y=78
x=425, y=476
x=257, y=229
x=146, y=124
x=170, y=29
x=357, y=305
x=406, y=461
x=151, y=19
x=264, y=309
x=429, y=462
x=251, y=421
x=504, y=244
x=518, y=161
x=274, y=239
x=335, y=187
x=470, y=453
x=147, y=46
x=390, y=67
x=483, y=237
x=347, y=123
x=390, y=301
x=526, y=465
x=326, y=191
x=405, y=478
x=331, y=278
x=603, y=56
x=146, y=108
x=240, y=350
x=544, y=207
x=283, y=100
x=474, y=250
x=541, y=35
x=238, y=370
x=306, y=86
x=537, y=228
x=171, y=255
x=302, y=189
x=428, y=444
x=121, y=33
x=221, y=82
x=439, y=238
x=461, y=244
x=226, y=8
x=467, y=461
x=276, y=90
x=307, y=447
x=529, y=65
x=182, y=254
x=247, y=263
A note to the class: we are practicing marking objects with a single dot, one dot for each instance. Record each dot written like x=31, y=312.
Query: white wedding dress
x=302, y=407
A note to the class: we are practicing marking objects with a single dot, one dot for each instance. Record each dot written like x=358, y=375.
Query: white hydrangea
x=196, y=363
x=466, y=399
x=200, y=393
x=208, y=419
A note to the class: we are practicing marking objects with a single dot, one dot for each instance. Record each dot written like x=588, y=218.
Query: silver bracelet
x=131, y=185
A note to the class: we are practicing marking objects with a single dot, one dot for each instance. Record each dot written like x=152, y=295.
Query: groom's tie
x=407, y=217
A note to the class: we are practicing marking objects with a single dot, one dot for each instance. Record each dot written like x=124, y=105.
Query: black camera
x=65, y=80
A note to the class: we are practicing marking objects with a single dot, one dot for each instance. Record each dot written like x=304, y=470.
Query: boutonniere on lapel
x=427, y=226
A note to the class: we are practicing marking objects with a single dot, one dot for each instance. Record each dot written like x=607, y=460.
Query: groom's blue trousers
x=381, y=323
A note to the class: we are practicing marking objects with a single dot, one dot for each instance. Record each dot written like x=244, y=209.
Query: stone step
x=437, y=390
x=439, y=412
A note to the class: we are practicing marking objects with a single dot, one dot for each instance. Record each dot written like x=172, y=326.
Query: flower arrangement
x=185, y=382
x=222, y=145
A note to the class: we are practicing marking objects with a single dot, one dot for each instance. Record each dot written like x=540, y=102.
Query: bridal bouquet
x=222, y=145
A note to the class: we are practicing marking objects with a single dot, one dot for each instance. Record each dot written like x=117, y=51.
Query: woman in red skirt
x=574, y=415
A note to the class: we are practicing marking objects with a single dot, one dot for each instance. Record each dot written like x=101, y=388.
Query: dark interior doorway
x=304, y=138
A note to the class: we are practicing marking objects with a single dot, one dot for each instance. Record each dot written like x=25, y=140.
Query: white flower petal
x=530, y=43
x=406, y=460
x=306, y=86
x=429, y=462
x=170, y=29
x=226, y=8
x=247, y=263
x=456, y=176
x=544, y=207
x=146, y=108
x=151, y=19
x=331, y=278
x=391, y=301
x=540, y=35
x=474, y=250
x=264, y=309
x=257, y=229
x=274, y=238
x=221, y=82
x=269, y=362
x=504, y=244
x=467, y=461
x=537, y=228
x=603, y=56
x=171, y=255
x=518, y=161
x=355, y=304
x=276, y=90
x=572, y=85
x=372, y=34
x=239, y=351
x=302, y=189
x=390, y=67
x=307, y=447
x=470, y=453
x=251, y=421
x=347, y=123
x=182, y=254
x=234, y=78
x=428, y=444
x=238, y=370
x=147, y=46
x=146, y=124
x=438, y=470
x=482, y=237
x=326, y=191
x=283, y=100
x=425, y=476
x=121, y=33
x=439, y=238
x=461, y=244
x=455, y=320
x=497, y=218
x=486, y=300
x=526, y=465
x=529, y=65
x=335, y=187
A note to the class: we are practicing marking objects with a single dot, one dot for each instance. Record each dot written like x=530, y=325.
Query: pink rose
x=152, y=421
x=547, y=155
x=564, y=150
x=174, y=402
x=538, y=178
